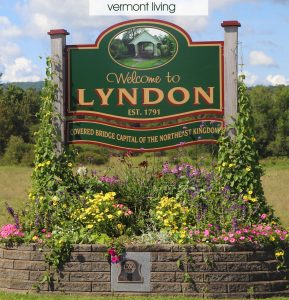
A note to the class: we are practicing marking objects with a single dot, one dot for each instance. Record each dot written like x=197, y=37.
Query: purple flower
x=110, y=180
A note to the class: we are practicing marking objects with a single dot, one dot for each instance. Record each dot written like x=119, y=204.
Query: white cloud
x=277, y=79
x=215, y=4
x=190, y=24
x=250, y=79
x=22, y=69
x=7, y=29
x=259, y=58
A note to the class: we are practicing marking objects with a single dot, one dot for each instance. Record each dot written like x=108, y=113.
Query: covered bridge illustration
x=146, y=45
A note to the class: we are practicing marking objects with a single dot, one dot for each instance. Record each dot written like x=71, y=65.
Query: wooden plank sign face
x=144, y=139
x=145, y=71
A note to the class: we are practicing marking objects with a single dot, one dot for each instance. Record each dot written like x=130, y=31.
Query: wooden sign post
x=58, y=43
x=230, y=70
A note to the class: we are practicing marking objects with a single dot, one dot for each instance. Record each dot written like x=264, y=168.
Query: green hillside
x=26, y=85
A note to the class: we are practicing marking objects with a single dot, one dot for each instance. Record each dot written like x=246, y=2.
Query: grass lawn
x=14, y=187
x=15, y=183
x=10, y=296
x=275, y=184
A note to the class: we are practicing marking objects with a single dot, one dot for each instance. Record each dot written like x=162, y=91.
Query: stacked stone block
x=221, y=271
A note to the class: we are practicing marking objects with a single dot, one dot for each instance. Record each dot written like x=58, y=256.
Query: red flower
x=111, y=252
x=115, y=259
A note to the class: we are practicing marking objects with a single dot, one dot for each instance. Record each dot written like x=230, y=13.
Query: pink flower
x=10, y=230
x=206, y=232
x=115, y=259
x=48, y=235
x=232, y=240
x=111, y=252
x=190, y=233
x=226, y=239
x=241, y=238
x=43, y=230
x=210, y=225
x=263, y=216
x=231, y=235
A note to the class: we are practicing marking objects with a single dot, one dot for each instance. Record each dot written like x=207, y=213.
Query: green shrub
x=28, y=155
x=92, y=155
x=18, y=152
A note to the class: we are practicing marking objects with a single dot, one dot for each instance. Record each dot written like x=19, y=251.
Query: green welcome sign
x=145, y=71
x=144, y=139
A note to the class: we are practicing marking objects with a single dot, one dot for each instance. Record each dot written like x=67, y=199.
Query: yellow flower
x=253, y=199
x=89, y=226
x=245, y=198
x=250, y=192
x=120, y=227
x=231, y=165
x=166, y=222
x=183, y=234
x=279, y=253
x=272, y=238
x=48, y=163
x=248, y=169
x=55, y=200
x=69, y=164
x=35, y=238
x=109, y=216
x=224, y=164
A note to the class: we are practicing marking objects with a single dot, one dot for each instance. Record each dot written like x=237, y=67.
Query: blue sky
x=263, y=37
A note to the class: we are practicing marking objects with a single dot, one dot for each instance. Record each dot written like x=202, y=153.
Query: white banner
x=148, y=8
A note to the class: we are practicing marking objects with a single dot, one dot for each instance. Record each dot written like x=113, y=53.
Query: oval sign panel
x=143, y=48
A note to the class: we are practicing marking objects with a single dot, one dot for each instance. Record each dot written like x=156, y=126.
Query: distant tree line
x=18, y=122
x=271, y=115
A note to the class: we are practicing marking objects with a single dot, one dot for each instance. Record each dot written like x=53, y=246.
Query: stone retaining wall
x=223, y=271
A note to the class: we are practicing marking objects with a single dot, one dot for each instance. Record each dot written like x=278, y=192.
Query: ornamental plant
x=9, y=231
x=195, y=197
x=101, y=213
x=52, y=175
x=238, y=162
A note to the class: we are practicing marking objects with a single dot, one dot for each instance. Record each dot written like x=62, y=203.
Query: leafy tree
x=18, y=110
x=131, y=34
x=270, y=109
x=118, y=48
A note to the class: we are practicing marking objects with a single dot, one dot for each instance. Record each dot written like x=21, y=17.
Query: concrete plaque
x=132, y=274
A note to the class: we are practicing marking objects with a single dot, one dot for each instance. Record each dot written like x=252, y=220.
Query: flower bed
x=172, y=203
x=222, y=271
